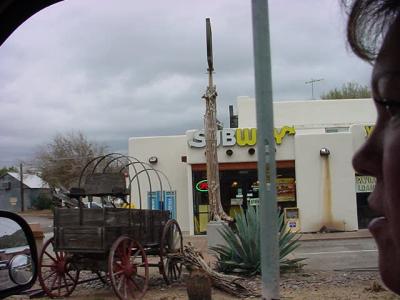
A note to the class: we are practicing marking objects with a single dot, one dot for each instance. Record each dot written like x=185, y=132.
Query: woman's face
x=380, y=157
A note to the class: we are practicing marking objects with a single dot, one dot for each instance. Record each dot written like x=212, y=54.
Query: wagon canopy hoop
x=116, y=159
x=85, y=167
x=103, y=158
x=156, y=172
x=123, y=162
x=145, y=168
x=131, y=162
x=150, y=167
x=129, y=174
x=99, y=159
x=159, y=180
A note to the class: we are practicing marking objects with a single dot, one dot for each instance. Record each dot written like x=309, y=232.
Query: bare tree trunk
x=217, y=213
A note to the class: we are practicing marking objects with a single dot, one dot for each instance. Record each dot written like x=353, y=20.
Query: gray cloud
x=125, y=68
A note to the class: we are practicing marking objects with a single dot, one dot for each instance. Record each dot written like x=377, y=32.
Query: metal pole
x=21, y=180
x=266, y=151
x=312, y=90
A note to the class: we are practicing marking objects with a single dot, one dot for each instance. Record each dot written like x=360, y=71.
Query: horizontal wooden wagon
x=119, y=242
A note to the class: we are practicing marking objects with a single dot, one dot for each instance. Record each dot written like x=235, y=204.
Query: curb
x=363, y=234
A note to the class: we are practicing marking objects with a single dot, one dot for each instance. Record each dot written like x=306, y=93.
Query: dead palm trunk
x=217, y=213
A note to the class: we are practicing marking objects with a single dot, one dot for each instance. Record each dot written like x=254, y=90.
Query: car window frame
x=33, y=250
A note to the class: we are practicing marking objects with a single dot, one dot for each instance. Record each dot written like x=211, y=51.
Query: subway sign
x=228, y=137
x=368, y=130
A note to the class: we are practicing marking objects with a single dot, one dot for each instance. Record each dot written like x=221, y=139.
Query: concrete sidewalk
x=359, y=234
x=200, y=241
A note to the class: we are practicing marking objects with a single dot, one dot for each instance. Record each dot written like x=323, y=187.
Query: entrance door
x=364, y=213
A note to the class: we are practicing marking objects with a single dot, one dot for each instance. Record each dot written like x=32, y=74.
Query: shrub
x=241, y=254
x=43, y=201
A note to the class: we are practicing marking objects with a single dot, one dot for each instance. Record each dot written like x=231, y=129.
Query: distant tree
x=349, y=90
x=60, y=162
x=5, y=170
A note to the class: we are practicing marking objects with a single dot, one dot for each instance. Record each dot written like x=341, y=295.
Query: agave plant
x=241, y=254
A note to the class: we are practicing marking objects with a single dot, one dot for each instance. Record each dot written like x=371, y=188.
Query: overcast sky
x=123, y=68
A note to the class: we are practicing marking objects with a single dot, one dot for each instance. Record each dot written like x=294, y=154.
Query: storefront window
x=239, y=190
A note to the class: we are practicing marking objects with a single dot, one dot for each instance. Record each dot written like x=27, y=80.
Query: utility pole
x=312, y=81
x=217, y=213
x=21, y=180
x=269, y=245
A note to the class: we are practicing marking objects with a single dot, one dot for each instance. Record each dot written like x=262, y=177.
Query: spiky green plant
x=241, y=254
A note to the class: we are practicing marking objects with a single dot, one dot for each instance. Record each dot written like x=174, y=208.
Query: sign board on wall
x=286, y=189
x=13, y=200
x=365, y=184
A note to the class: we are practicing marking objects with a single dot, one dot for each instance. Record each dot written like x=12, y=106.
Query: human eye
x=392, y=107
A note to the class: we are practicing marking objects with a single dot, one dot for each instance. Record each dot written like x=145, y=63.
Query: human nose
x=368, y=159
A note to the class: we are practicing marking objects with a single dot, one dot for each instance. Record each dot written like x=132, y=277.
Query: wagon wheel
x=128, y=268
x=102, y=276
x=171, y=243
x=57, y=275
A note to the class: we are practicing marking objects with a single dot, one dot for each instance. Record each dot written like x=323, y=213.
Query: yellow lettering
x=246, y=136
x=368, y=130
x=279, y=135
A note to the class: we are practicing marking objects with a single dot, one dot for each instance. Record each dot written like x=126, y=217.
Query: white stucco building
x=324, y=188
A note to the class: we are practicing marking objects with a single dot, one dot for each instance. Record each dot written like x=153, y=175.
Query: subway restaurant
x=316, y=184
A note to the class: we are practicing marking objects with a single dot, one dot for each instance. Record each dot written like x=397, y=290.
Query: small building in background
x=10, y=191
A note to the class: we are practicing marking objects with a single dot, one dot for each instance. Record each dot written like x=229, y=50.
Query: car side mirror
x=20, y=269
x=18, y=255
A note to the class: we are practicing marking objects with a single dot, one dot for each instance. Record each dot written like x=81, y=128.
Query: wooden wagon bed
x=94, y=230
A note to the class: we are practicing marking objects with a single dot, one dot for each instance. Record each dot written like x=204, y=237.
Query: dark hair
x=368, y=23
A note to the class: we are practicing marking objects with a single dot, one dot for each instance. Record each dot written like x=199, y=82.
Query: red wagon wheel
x=128, y=268
x=57, y=275
x=171, y=243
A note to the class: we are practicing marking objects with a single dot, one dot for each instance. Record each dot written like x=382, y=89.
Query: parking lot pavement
x=44, y=218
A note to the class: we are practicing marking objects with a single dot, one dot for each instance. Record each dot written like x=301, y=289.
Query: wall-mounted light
x=324, y=152
x=229, y=152
x=153, y=159
x=251, y=151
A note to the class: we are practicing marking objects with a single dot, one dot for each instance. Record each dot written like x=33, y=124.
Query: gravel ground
x=334, y=285
x=307, y=284
x=304, y=285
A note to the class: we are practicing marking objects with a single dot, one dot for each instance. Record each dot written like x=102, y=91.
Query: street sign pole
x=266, y=151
